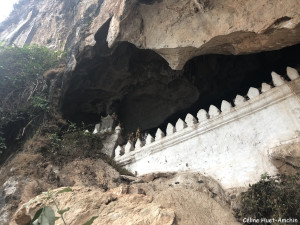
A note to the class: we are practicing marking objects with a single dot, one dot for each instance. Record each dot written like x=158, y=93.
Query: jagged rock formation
x=107, y=74
x=177, y=30
x=164, y=199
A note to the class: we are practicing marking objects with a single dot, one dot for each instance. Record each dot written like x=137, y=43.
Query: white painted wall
x=232, y=147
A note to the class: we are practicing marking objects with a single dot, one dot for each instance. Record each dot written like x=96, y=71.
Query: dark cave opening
x=224, y=76
x=139, y=86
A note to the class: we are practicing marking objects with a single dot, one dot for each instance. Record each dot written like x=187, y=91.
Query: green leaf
x=64, y=190
x=90, y=221
x=63, y=211
x=44, y=220
x=44, y=216
x=48, y=215
x=36, y=215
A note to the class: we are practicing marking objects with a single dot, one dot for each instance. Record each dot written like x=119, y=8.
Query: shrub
x=23, y=90
x=55, y=141
x=272, y=197
x=40, y=103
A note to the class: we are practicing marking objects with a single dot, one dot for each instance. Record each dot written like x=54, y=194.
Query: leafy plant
x=272, y=197
x=40, y=103
x=46, y=215
x=55, y=140
x=71, y=127
x=23, y=90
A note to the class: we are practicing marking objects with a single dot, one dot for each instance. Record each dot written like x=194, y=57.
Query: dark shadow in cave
x=145, y=93
x=222, y=77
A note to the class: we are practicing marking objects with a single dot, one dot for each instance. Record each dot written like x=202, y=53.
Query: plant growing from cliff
x=272, y=197
x=46, y=215
x=55, y=141
x=23, y=90
x=40, y=103
x=21, y=83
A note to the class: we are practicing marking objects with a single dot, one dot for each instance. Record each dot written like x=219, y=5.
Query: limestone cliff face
x=139, y=58
x=177, y=30
x=57, y=24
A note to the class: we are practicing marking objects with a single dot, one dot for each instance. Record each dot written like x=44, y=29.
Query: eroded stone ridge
x=243, y=132
x=177, y=30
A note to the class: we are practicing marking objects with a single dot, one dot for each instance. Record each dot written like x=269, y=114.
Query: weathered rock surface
x=181, y=30
x=177, y=30
x=28, y=174
x=160, y=199
x=108, y=72
x=286, y=157
x=111, y=208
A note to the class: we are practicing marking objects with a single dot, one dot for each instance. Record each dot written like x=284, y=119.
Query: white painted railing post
x=159, y=134
x=202, y=116
x=190, y=120
x=253, y=92
x=226, y=106
x=170, y=129
x=213, y=111
x=239, y=100
x=277, y=79
x=149, y=139
x=180, y=125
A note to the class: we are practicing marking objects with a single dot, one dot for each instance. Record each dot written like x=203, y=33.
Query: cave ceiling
x=141, y=88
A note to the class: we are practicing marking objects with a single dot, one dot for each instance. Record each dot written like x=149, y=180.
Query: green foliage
x=19, y=66
x=23, y=90
x=272, y=197
x=72, y=127
x=46, y=215
x=40, y=103
x=55, y=140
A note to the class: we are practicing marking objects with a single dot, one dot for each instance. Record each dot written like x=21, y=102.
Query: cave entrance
x=222, y=77
x=139, y=86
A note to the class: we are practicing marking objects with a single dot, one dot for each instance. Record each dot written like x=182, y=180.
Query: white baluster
x=190, y=120
x=277, y=79
x=239, y=100
x=253, y=92
x=138, y=144
x=180, y=125
x=292, y=73
x=226, y=106
x=213, y=111
x=97, y=128
x=118, y=151
x=149, y=139
x=170, y=129
x=159, y=134
x=128, y=147
x=265, y=87
x=202, y=115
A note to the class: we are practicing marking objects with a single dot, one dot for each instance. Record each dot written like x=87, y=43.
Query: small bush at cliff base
x=272, y=197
